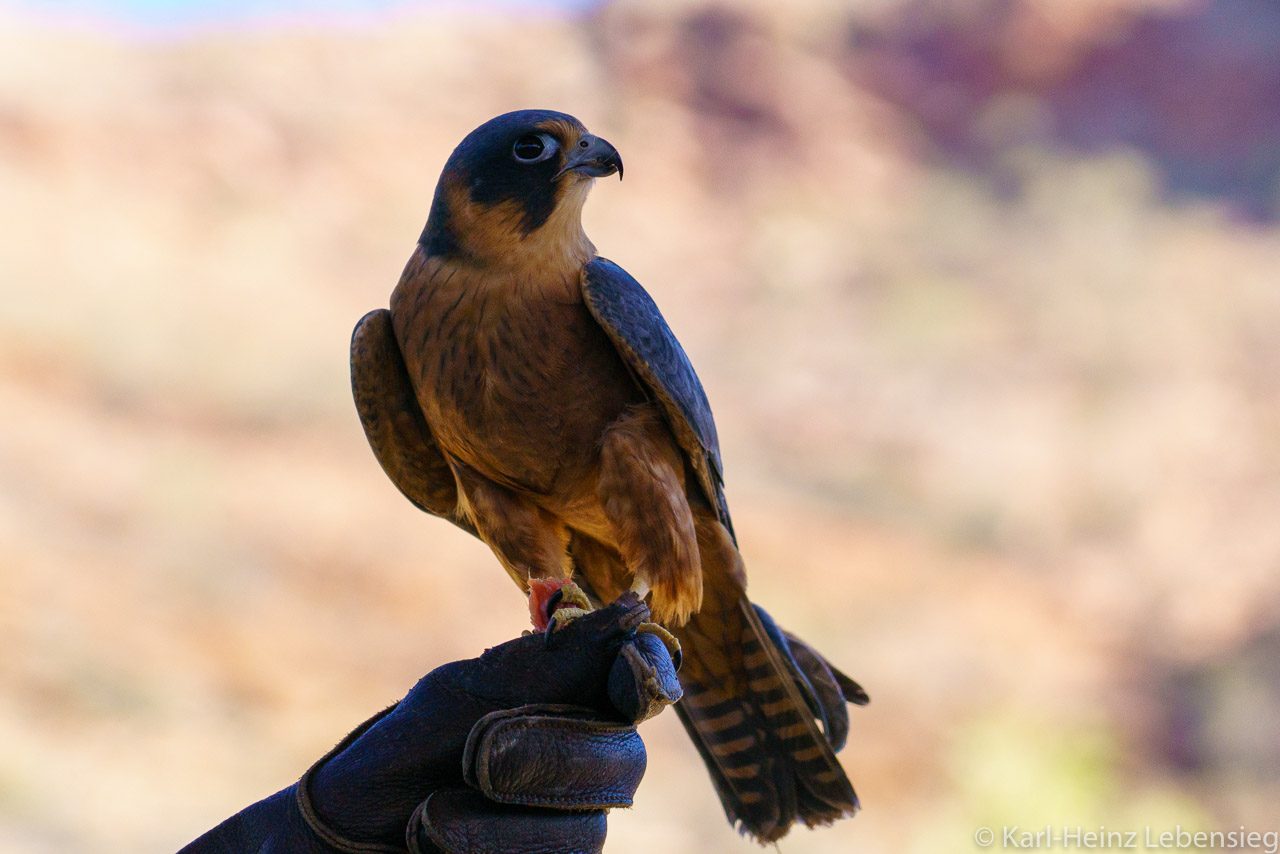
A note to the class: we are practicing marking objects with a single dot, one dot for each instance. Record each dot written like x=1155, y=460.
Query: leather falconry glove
x=521, y=750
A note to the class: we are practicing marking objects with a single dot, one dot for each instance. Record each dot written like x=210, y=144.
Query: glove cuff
x=327, y=835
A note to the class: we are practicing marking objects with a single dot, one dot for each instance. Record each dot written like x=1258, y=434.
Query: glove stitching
x=322, y=831
x=419, y=820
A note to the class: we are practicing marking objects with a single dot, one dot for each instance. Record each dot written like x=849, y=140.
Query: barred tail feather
x=766, y=713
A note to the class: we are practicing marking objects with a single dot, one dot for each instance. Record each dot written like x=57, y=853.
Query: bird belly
x=519, y=390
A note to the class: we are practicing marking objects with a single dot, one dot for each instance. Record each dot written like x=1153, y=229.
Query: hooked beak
x=594, y=157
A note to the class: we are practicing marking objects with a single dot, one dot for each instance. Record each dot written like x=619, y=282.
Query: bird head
x=515, y=187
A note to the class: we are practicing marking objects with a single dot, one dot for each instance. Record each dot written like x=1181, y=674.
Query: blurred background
x=986, y=296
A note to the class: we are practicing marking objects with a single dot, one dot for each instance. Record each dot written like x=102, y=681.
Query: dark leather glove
x=520, y=750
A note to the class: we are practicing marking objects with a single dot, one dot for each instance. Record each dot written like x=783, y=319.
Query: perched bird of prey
x=529, y=391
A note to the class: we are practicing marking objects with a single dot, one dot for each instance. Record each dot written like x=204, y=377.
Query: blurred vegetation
x=987, y=314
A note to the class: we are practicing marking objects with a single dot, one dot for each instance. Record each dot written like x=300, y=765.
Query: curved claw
x=554, y=610
x=563, y=616
x=668, y=640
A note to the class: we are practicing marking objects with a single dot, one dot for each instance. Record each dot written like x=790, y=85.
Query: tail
x=767, y=713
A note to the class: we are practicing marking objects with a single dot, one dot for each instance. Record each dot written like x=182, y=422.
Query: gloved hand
x=521, y=750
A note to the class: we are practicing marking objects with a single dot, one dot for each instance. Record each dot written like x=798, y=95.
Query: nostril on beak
x=593, y=157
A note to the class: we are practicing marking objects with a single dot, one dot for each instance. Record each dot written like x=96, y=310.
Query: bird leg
x=566, y=605
x=556, y=602
x=640, y=588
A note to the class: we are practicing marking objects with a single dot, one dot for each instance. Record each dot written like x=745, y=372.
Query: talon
x=572, y=594
x=561, y=618
x=554, y=601
x=668, y=640
x=547, y=596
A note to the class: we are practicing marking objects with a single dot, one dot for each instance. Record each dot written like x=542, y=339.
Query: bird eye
x=533, y=147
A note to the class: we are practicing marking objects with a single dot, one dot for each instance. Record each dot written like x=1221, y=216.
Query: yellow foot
x=563, y=617
x=668, y=640
x=640, y=587
x=566, y=605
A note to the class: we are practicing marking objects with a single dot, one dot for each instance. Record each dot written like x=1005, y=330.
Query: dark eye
x=533, y=147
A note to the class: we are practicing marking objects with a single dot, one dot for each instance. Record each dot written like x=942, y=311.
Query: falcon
x=530, y=392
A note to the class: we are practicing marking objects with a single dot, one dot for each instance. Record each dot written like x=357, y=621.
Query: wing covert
x=631, y=319
x=393, y=422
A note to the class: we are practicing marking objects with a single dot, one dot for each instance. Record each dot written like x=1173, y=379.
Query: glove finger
x=562, y=757
x=643, y=681
x=458, y=821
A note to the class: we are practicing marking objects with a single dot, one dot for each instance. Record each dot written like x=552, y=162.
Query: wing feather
x=640, y=333
x=394, y=424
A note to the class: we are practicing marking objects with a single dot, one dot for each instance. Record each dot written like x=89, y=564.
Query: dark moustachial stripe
x=528, y=185
x=483, y=165
x=437, y=237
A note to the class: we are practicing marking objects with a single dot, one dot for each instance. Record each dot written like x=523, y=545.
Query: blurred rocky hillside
x=984, y=296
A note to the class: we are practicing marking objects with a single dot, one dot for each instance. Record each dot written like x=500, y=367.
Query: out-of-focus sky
x=161, y=17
